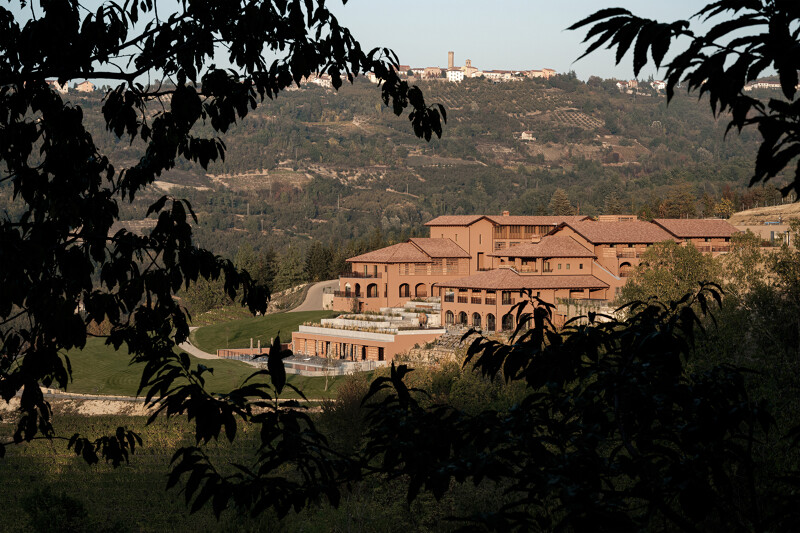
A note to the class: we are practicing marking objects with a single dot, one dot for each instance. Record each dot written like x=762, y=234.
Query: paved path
x=313, y=301
x=191, y=349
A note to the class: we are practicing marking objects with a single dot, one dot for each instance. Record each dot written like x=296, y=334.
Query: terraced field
x=237, y=333
x=99, y=369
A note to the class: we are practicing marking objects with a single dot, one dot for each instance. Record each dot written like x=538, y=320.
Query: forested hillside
x=339, y=168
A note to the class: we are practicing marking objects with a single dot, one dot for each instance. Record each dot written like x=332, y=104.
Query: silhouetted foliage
x=63, y=268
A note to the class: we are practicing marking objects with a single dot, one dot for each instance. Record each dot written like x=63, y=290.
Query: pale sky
x=494, y=34
x=499, y=34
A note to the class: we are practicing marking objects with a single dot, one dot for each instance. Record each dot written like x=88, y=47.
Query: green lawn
x=99, y=369
x=237, y=333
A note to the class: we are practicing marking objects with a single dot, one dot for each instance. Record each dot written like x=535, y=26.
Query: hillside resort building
x=473, y=269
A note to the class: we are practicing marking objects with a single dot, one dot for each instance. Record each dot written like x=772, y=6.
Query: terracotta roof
x=549, y=246
x=454, y=220
x=634, y=232
x=523, y=220
x=439, y=247
x=685, y=228
x=509, y=279
x=404, y=252
x=504, y=220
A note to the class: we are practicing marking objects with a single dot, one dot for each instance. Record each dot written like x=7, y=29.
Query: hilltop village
x=472, y=270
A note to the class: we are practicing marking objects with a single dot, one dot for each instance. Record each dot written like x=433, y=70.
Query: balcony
x=449, y=298
x=632, y=254
x=509, y=301
x=476, y=300
x=490, y=301
x=527, y=270
x=463, y=299
x=345, y=294
x=360, y=275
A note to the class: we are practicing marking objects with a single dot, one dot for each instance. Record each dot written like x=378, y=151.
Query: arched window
x=405, y=292
x=347, y=289
x=476, y=320
x=462, y=318
x=358, y=290
x=508, y=322
x=372, y=290
x=625, y=270
x=420, y=291
x=449, y=318
x=490, y=326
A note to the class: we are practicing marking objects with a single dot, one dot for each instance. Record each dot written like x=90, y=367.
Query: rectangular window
x=480, y=238
x=559, y=266
x=580, y=267
x=567, y=266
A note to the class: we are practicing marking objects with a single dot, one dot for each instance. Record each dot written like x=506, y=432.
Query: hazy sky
x=494, y=34
x=499, y=34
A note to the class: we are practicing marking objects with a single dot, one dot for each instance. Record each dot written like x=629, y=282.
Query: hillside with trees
x=338, y=168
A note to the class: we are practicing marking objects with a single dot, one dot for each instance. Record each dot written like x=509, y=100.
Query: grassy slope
x=237, y=334
x=98, y=369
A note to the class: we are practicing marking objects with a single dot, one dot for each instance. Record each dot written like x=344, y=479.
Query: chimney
x=451, y=59
x=505, y=213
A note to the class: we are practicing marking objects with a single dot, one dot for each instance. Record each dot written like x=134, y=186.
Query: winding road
x=313, y=301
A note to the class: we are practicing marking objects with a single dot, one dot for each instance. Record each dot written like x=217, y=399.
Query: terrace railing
x=361, y=275
x=345, y=294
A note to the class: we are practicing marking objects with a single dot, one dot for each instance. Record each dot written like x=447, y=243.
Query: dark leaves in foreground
x=749, y=39
x=615, y=433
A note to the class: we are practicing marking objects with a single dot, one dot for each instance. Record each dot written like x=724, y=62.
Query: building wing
x=686, y=228
x=550, y=246
x=404, y=252
x=634, y=232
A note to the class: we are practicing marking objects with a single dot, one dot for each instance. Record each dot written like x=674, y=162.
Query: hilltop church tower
x=451, y=59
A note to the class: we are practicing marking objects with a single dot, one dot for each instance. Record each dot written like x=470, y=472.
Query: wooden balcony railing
x=509, y=301
x=449, y=298
x=361, y=275
x=463, y=299
x=476, y=300
x=490, y=301
x=629, y=255
x=345, y=294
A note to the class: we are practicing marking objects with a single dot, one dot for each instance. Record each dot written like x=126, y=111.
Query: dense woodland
x=338, y=170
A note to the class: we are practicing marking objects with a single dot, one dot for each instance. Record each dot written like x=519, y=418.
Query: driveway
x=313, y=301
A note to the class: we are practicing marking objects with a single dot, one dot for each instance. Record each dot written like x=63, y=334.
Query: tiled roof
x=454, y=220
x=549, y=246
x=686, y=228
x=523, y=220
x=439, y=247
x=504, y=220
x=634, y=232
x=509, y=279
x=404, y=252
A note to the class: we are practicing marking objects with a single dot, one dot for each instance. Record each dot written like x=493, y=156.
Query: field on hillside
x=773, y=213
x=99, y=369
x=237, y=333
